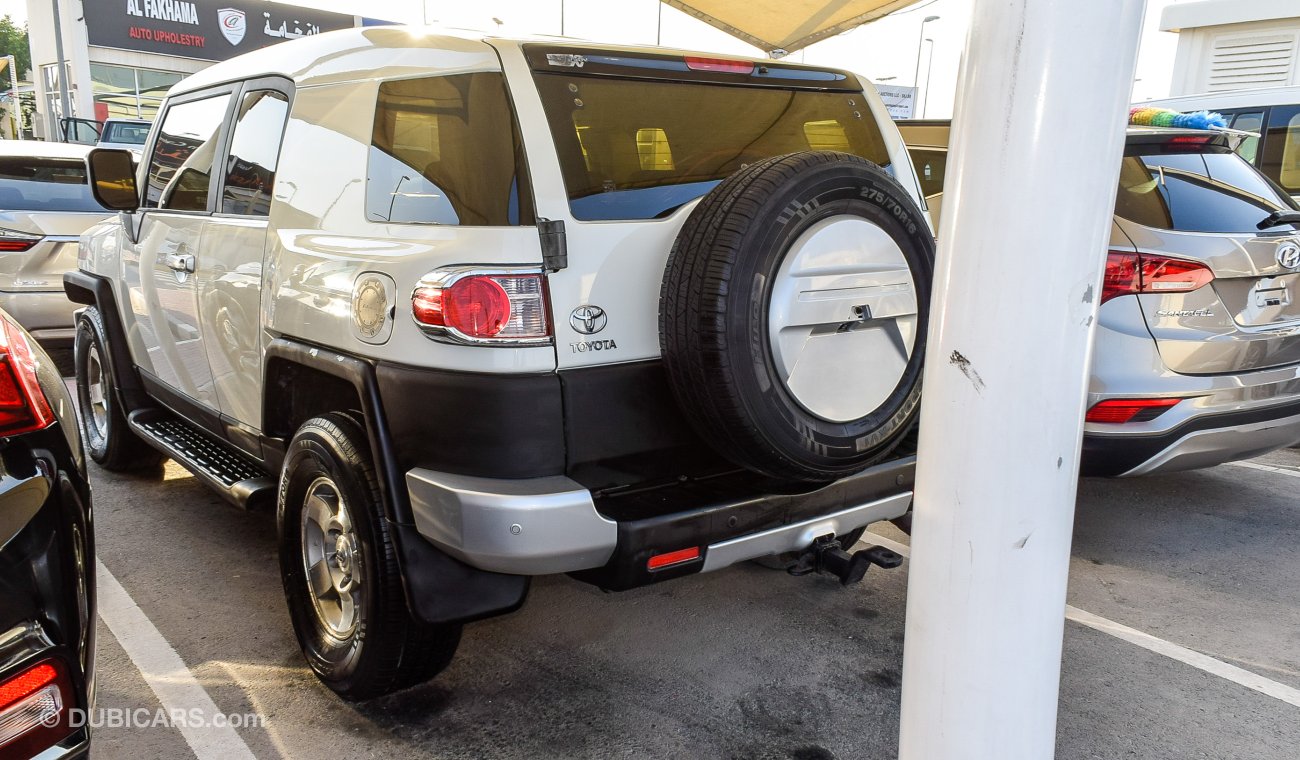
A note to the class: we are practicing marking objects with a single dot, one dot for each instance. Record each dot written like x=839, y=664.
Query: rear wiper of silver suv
x=1278, y=218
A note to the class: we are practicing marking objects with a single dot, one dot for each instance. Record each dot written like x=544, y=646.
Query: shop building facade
x=121, y=56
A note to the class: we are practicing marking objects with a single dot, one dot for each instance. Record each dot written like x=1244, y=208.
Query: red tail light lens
x=23, y=406
x=12, y=241
x=1121, y=410
x=1131, y=273
x=482, y=307
x=34, y=706
x=697, y=63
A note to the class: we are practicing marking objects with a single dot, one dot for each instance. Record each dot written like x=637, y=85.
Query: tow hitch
x=827, y=556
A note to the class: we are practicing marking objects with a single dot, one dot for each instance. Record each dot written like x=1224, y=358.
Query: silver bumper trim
x=1204, y=448
x=533, y=526
x=800, y=535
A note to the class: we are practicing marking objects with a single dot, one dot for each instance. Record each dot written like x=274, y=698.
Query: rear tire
x=793, y=315
x=109, y=439
x=351, y=617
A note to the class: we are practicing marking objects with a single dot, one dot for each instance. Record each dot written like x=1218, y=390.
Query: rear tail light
x=483, y=307
x=1121, y=410
x=724, y=65
x=12, y=241
x=1131, y=273
x=34, y=710
x=23, y=406
x=679, y=557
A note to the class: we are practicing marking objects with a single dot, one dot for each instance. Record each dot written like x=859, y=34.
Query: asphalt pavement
x=749, y=662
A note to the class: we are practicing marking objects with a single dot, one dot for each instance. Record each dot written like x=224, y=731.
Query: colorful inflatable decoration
x=1163, y=117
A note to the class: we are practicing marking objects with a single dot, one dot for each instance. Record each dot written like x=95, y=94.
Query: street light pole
x=920, y=38
x=1042, y=96
x=929, y=68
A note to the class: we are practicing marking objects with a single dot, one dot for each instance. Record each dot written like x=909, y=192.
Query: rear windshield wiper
x=1278, y=218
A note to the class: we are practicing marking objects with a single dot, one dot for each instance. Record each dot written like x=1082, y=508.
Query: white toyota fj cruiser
x=472, y=310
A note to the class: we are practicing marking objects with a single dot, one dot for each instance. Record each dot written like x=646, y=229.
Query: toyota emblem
x=588, y=319
x=1288, y=255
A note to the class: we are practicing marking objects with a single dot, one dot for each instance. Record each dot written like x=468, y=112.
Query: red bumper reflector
x=660, y=561
x=1121, y=410
x=26, y=683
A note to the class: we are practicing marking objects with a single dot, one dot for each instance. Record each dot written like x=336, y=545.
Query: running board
x=232, y=473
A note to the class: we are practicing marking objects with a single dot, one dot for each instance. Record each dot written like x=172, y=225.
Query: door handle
x=180, y=262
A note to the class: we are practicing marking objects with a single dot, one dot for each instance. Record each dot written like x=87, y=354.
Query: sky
x=884, y=50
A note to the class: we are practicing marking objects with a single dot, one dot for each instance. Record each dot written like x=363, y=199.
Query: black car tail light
x=23, y=406
x=35, y=707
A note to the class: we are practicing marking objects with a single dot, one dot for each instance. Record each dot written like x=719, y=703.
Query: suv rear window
x=1211, y=189
x=445, y=150
x=639, y=149
x=45, y=184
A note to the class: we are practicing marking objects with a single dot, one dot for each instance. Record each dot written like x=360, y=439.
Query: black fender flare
x=439, y=588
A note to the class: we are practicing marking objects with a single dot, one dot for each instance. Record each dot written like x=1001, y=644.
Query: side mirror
x=112, y=179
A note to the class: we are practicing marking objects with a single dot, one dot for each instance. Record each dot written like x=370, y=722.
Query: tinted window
x=44, y=184
x=446, y=151
x=1282, y=147
x=637, y=149
x=1252, y=121
x=929, y=165
x=122, y=132
x=181, y=165
x=254, y=150
x=1214, y=191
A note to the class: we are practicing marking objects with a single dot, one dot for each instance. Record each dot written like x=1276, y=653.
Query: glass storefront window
x=129, y=93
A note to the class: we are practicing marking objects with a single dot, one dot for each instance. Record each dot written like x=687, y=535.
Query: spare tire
x=793, y=315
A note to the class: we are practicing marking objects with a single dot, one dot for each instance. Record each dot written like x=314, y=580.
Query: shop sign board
x=212, y=30
x=899, y=100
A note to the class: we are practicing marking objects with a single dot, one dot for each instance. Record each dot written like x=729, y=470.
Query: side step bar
x=232, y=473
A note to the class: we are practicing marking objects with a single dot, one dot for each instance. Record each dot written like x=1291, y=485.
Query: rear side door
x=229, y=271
x=160, y=259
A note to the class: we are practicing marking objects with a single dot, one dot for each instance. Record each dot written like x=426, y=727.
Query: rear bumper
x=47, y=315
x=552, y=525
x=1200, y=441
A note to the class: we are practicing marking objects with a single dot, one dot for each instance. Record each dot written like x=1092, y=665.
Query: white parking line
x=166, y=674
x=1267, y=468
x=1197, y=660
x=1204, y=662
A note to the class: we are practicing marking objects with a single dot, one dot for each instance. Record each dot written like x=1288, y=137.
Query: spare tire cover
x=793, y=315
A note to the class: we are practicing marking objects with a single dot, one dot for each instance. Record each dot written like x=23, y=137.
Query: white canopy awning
x=787, y=24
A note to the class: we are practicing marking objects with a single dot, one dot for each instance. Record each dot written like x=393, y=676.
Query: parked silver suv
x=1197, y=355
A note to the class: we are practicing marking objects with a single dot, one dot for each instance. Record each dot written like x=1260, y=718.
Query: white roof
x=43, y=149
x=349, y=54
x=1214, y=101
x=1180, y=16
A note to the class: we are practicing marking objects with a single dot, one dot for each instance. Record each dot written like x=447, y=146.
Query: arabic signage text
x=212, y=30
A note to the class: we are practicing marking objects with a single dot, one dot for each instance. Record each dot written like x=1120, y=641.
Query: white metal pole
x=929, y=69
x=1030, y=192
x=65, y=102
